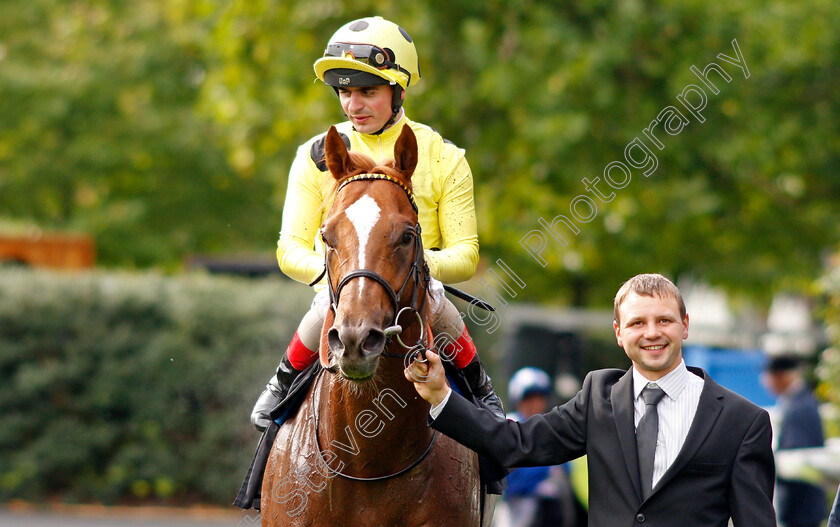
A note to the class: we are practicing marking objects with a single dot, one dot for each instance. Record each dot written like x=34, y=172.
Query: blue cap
x=528, y=381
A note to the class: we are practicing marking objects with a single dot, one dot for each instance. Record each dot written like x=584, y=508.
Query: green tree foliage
x=121, y=386
x=168, y=127
x=543, y=95
x=828, y=370
x=100, y=132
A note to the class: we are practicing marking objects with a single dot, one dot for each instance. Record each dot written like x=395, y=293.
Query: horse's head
x=373, y=251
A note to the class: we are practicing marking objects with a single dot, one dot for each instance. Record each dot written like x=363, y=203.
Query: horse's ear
x=405, y=152
x=337, y=157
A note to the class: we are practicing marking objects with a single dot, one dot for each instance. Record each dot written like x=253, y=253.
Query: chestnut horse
x=359, y=451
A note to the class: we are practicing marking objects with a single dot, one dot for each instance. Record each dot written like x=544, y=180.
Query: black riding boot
x=275, y=391
x=480, y=385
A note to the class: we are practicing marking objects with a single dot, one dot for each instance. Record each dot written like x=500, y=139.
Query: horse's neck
x=378, y=426
x=390, y=396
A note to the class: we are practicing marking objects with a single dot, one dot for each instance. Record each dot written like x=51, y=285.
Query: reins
x=400, y=472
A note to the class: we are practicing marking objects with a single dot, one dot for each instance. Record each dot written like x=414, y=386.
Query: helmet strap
x=396, y=100
x=396, y=106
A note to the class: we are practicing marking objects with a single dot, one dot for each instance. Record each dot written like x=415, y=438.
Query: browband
x=368, y=177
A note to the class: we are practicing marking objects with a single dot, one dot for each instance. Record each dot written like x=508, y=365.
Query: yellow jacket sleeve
x=458, y=258
x=302, y=216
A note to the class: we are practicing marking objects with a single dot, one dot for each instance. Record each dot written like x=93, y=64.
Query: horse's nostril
x=334, y=340
x=375, y=342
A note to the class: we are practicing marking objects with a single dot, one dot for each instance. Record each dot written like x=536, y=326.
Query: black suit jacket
x=725, y=468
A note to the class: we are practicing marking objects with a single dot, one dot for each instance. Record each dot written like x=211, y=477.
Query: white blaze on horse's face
x=363, y=214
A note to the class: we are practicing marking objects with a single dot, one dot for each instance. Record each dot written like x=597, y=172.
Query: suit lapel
x=708, y=410
x=621, y=398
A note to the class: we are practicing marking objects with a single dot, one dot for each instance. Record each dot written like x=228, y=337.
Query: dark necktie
x=646, y=434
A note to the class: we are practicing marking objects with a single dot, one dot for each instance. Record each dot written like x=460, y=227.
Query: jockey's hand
x=429, y=378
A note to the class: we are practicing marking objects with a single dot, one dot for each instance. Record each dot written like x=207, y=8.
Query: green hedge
x=117, y=387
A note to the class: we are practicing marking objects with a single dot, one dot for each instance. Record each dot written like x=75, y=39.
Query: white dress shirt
x=435, y=411
x=676, y=412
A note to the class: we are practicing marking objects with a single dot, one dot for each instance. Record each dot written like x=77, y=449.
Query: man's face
x=535, y=403
x=368, y=108
x=777, y=381
x=651, y=333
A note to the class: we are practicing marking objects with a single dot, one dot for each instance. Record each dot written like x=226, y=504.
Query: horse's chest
x=300, y=489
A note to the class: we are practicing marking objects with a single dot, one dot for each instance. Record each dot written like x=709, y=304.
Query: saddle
x=251, y=488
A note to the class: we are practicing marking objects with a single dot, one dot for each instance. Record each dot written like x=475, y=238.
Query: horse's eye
x=407, y=237
x=324, y=239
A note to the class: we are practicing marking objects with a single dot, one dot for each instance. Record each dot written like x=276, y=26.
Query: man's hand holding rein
x=429, y=379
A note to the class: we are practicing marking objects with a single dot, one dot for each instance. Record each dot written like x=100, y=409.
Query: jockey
x=370, y=63
x=526, y=383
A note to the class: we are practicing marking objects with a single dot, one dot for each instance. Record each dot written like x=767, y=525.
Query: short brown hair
x=648, y=285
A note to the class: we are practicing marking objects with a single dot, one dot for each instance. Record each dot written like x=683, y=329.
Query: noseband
x=419, y=271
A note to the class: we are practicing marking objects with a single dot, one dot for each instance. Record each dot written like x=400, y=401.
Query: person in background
x=536, y=496
x=798, y=504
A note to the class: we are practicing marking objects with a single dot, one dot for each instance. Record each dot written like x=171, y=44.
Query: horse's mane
x=364, y=164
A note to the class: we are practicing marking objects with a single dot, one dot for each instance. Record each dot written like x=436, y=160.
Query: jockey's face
x=368, y=107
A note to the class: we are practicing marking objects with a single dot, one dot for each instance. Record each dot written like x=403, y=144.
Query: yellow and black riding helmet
x=368, y=52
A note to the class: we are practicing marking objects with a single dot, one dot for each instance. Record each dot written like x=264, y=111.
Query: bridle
x=418, y=273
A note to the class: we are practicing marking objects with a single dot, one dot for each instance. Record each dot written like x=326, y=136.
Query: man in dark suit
x=799, y=504
x=706, y=458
